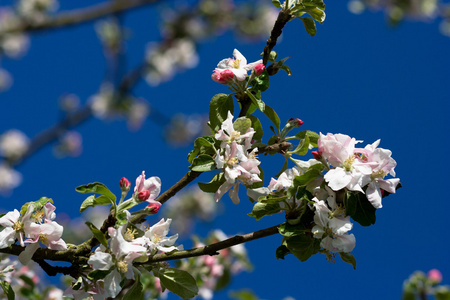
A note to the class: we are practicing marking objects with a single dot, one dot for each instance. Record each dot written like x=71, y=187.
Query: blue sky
x=357, y=76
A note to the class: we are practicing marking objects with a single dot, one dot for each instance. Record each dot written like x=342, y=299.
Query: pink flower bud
x=296, y=122
x=259, y=68
x=144, y=195
x=154, y=205
x=222, y=76
x=317, y=154
x=435, y=275
x=124, y=184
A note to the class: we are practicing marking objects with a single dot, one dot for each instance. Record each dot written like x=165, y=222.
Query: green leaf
x=348, y=258
x=313, y=137
x=178, y=282
x=302, y=246
x=261, y=83
x=100, y=236
x=256, y=101
x=286, y=69
x=37, y=204
x=281, y=252
x=202, y=145
x=243, y=295
x=242, y=124
x=289, y=230
x=98, y=274
x=314, y=3
x=310, y=25
x=261, y=209
x=317, y=14
x=213, y=185
x=91, y=201
x=276, y=3
x=302, y=147
x=203, y=163
x=7, y=289
x=136, y=292
x=219, y=107
x=442, y=293
x=307, y=177
x=96, y=187
x=256, y=125
x=359, y=208
x=272, y=115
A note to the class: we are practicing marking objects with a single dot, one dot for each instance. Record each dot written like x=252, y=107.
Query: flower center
x=156, y=238
x=378, y=174
x=122, y=266
x=347, y=165
x=236, y=63
x=17, y=226
x=233, y=161
x=43, y=238
x=129, y=234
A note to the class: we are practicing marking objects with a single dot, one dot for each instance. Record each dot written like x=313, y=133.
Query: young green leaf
x=178, y=282
x=7, y=289
x=203, y=163
x=91, y=201
x=136, y=292
x=213, y=185
x=242, y=124
x=261, y=209
x=348, y=258
x=302, y=246
x=310, y=25
x=100, y=236
x=96, y=187
x=219, y=107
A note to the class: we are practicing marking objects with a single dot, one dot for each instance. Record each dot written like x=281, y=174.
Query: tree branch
x=214, y=248
x=83, y=15
x=283, y=18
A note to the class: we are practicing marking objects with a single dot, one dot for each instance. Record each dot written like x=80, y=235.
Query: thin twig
x=214, y=248
x=79, y=16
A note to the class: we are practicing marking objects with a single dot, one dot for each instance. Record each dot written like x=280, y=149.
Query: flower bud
x=125, y=184
x=317, y=154
x=295, y=122
x=259, y=69
x=153, y=207
x=222, y=76
x=143, y=195
x=435, y=276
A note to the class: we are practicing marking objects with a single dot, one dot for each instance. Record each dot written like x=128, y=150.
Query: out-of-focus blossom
x=69, y=103
x=255, y=21
x=189, y=206
x=137, y=113
x=55, y=294
x=435, y=275
x=102, y=103
x=11, y=44
x=9, y=179
x=36, y=11
x=13, y=144
x=184, y=129
x=109, y=33
x=70, y=144
x=396, y=10
x=5, y=80
x=165, y=60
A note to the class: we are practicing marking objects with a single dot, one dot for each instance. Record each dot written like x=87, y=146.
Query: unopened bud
x=317, y=154
x=153, y=207
x=144, y=195
x=259, y=69
x=295, y=122
x=435, y=276
x=125, y=184
x=222, y=76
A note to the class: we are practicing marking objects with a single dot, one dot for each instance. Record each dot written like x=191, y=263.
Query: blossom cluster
x=236, y=158
x=123, y=249
x=357, y=168
x=34, y=226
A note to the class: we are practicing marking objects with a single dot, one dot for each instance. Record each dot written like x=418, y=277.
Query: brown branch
x=214, y=248
x=83, y=15
x=279, y=148
x=283, y=18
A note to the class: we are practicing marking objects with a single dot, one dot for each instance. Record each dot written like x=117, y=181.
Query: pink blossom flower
x=259, y=69
x=222, y=76
x=152, y=185
x=238, y=65
x=435, y=275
